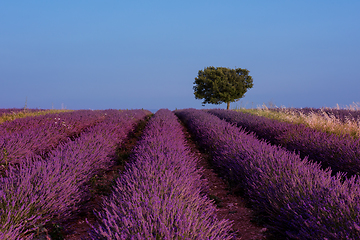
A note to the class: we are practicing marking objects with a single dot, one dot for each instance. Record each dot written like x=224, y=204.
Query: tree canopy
x=222, y=85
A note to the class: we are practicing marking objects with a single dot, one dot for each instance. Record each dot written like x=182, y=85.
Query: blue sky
x=145, y=54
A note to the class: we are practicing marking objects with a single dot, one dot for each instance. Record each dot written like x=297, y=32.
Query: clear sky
x=145, y=54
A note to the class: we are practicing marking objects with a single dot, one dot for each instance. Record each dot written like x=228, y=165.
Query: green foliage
x=221, y=85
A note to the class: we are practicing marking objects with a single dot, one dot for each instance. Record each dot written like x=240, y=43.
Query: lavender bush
x=26, y=137
x=69, y=120
x=300, y=200
x=339, y=153
x=40, y=190
x=159, y=196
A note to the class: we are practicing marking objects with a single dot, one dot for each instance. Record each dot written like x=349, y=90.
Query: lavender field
x=301, y=182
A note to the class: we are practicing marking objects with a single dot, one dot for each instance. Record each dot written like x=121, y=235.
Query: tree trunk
x=228, y=105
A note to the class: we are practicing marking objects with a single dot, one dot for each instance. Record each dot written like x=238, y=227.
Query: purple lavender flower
x=159, y=196
x=300, y=200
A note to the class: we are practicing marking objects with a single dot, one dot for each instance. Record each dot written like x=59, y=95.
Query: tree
x=222, y=85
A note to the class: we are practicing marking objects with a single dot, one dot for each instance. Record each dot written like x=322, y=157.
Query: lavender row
x=27, y=137
x=159, y=196
x=341, y=153
x=343, y=115
x=40, y=190
x=68, y=120
x=298, y=199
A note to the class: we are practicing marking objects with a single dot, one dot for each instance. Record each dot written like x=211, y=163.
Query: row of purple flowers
x=341, y=153
x=31, y=136
x=297, y=198
x=42, y=190
x=161, y=193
